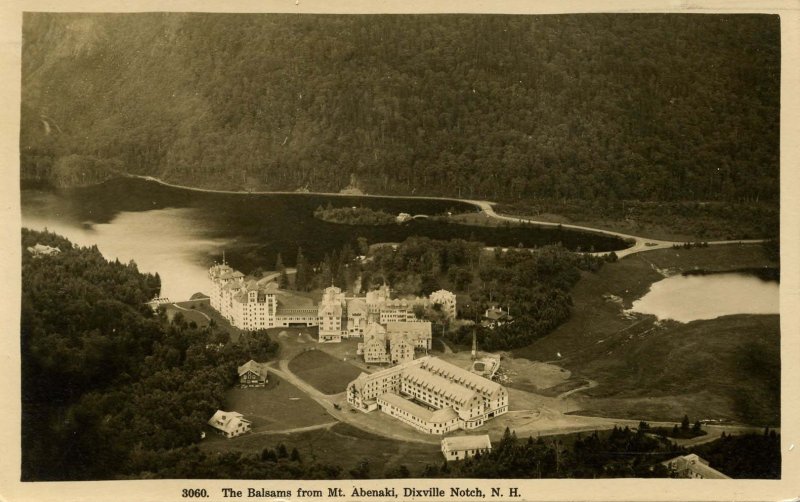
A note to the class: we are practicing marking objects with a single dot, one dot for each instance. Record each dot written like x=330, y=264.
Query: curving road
x=640, y=244
x=368, y=422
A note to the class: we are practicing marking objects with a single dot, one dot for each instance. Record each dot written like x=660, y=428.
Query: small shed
x=460, y=447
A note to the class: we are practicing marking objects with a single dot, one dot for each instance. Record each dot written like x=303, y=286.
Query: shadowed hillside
x=645, y=107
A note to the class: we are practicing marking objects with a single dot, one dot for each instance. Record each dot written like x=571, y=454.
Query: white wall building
x=250, y=304
x=394, y=343
x=229, y=423
x=461, y=447
x=416, y=391
x=693, y=466
x=348, y=317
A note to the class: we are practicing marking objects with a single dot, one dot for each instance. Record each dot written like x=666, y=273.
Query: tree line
x=354, y=215
x=619, y=453
x=534, y=284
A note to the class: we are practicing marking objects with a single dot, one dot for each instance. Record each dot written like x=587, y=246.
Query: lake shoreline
x=633, y=244
x=476, y=203
x=618, y=340
x=766, y=273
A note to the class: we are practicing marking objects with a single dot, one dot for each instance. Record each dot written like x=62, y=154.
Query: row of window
x=417, y=422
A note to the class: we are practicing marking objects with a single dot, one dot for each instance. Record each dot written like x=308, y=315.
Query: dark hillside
x=646, y=107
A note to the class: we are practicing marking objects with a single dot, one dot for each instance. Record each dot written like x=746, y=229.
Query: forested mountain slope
x=108, y=389
x=645, y=107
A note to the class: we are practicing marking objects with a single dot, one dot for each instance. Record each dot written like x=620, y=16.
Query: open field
x=726, y=368
x=323, y=371
x=189, y=314
x=676, y=221
x=715, y=258
x=205, y=307
x=341, y=445
x=278, y=406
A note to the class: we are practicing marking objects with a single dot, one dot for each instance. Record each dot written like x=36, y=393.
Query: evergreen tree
x=268, y=455
x=302, y=277
x=283, y=278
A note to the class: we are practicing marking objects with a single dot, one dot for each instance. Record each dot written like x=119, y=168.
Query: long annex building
x=429, y=394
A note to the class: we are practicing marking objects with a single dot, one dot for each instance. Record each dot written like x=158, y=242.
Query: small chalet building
x=229, y=423
x=253, y=374
x=692, y=466
x=495, y=316
x=461, y=447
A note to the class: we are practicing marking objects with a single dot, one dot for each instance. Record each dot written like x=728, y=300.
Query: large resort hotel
x=259, y=304
x=429, y=394
x=251, y=304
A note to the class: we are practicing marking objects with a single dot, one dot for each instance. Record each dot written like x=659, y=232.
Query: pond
x=686, y=298
x=179, y=233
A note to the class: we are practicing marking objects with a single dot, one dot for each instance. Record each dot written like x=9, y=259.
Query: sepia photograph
x=419, y=255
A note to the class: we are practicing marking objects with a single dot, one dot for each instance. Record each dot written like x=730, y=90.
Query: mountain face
x=647, y=107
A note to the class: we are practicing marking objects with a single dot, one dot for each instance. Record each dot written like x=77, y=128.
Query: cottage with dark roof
x=253, y=374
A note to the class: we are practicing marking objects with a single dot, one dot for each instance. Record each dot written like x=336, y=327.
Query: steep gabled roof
x=462, y=376
x=259, y=369
x=441, y=386
x=226, y=421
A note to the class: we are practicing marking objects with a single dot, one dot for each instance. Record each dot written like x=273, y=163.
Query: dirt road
x=640, y=244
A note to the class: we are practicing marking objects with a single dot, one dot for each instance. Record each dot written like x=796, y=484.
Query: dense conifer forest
x=108, y=388
x=594, y=107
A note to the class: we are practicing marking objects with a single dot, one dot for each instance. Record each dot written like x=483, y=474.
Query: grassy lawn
x=726, y=368
x=665, y=221
x=278, y=406
x=205, y=307
x=712, y=258
x=556, y=389
x=323, y=371
x=341, y=445
x=189, y=314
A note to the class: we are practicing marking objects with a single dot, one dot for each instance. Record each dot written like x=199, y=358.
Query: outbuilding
x=461, y=447
x=229, y=423
x=253, y=374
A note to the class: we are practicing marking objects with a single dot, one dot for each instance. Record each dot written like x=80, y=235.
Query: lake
x=179, y=233
x=686, y=298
